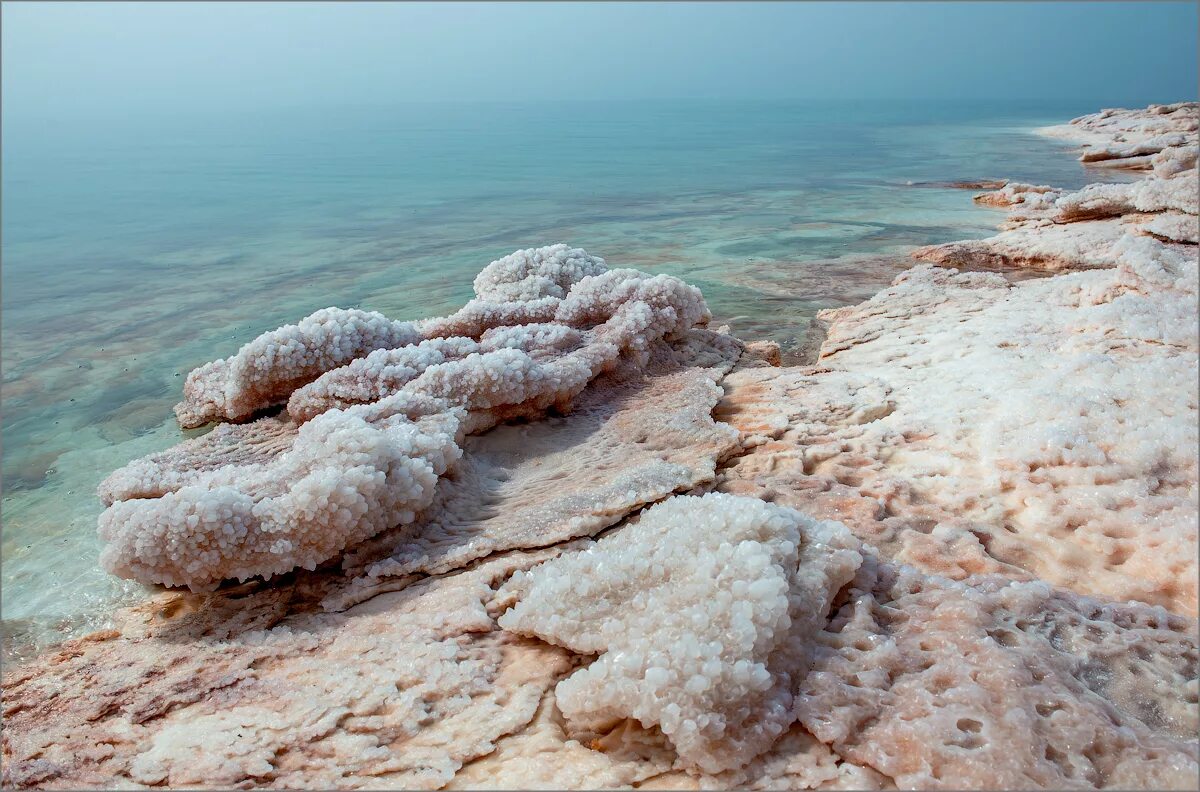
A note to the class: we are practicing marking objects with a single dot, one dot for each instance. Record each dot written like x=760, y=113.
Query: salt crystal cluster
x=348, y=475
x=701, y=613
x=521, y=369
x=536, y=272
x=636, y=435
x=384, y=406
x=267, y=369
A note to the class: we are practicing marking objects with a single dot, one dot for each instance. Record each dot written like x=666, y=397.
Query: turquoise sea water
x=137, y=249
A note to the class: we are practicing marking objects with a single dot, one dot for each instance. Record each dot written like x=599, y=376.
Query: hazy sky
x=127, y=57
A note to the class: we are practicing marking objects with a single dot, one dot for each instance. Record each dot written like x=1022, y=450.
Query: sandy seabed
x=571, y=537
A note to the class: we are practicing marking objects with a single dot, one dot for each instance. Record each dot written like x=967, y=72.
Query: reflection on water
x=134, y=252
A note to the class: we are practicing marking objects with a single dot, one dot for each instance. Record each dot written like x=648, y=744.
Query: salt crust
x=909, y=433
x=637, y=434
x=1131, y=137
x=1057, y=230
x=992, y=684
x=700, y=612
x=256, y=689
x=1053, y=229
x=379, y=432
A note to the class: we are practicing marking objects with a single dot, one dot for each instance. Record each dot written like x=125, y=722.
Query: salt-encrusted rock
x=636, y=435
x=345, y=476
x=1172, y=161
x=1172, y=227
x=253, y=689
x=1111, y=200
x=379, y=432
x=536, y=272
x=525, y=369
x=965, y=424
x=267, y=369
x=1014, y=193
x=1049, y=229
x=370, y=378
x=545, y=755
x=980, y=430
x=990, y=684
x=701, y=613
x=1131, y=138
x=1081, y=245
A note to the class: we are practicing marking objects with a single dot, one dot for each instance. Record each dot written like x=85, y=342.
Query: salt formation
x=965, y=423
x=533, y=273
x=1132, y=138
x=379, y=432
x=347, y=475
x=254, y=690
x=701, y=612
x=951, y=472
x=990, y=684
x=1057, y=230
x=634, y=436
x=267, y=369
x=525, y=369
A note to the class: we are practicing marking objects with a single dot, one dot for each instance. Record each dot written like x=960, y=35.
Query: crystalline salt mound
x=701, y=613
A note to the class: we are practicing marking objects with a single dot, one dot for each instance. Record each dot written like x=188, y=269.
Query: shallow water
x=135, y=250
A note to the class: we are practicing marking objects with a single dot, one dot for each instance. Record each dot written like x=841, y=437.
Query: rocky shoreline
x=956, y=551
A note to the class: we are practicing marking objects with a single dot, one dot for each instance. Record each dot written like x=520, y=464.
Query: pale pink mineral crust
x=991, y=684
x=966, y=424
x=254, y=689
